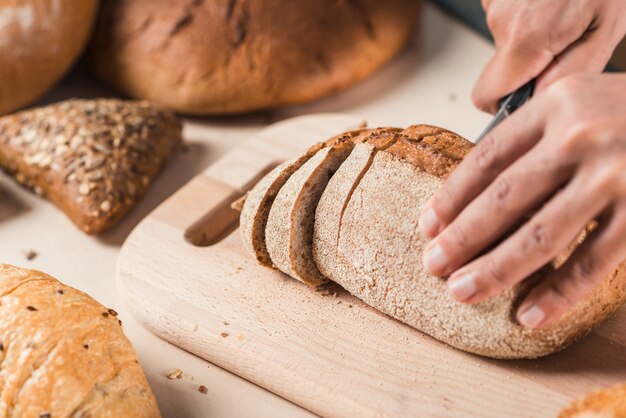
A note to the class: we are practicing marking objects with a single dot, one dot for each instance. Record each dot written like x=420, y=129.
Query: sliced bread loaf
x=258, y=201
x=380, y=240
x=289, y=230
x=335, y=198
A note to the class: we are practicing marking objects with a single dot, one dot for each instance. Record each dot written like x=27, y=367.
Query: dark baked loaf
x=226, y=56
x=64, y=355
x=94, y=159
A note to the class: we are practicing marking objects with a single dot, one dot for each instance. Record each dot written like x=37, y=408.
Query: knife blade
x=508, y=105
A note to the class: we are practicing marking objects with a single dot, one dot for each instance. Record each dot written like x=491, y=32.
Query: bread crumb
x=226, y=323
x=224, y=334
x=174, y=374
x=203, y=389
x=30, y=254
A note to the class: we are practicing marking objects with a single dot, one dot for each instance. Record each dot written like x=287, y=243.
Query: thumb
x=510, y=68
x=591, y=53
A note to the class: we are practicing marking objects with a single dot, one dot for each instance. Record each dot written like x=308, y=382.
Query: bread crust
x=605, y=403
x=63, y=354
x=39, y=42
x=216, y=57
x=94, y=159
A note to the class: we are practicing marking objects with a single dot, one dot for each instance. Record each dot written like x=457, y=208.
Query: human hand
x=562, y=156
x=547, y=39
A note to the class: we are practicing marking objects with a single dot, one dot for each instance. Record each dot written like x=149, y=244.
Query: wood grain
x=330, y=354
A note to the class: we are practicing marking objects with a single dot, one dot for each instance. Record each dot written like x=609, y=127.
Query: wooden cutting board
x=186, y=278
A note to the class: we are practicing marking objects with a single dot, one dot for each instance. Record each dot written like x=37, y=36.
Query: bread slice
x=259, y=200
x=289, y=230
x=335, y=197
x=380, y=241
x=605, y=403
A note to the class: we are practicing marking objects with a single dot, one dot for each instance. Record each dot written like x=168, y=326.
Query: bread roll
x=228, y=56
x=62, y=354
x=366, y=238
x=39, y=42
x=605, y=403
x=94, y=159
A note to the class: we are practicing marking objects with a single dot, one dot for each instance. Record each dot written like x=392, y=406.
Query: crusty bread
x=62, y=354
x=606, y=403
x=367, y=238
x=39, y=42
x=390, y=276
x=289, y=229
x=227, y=56
x=334, y=199
x=255, y=205
x=94, y=159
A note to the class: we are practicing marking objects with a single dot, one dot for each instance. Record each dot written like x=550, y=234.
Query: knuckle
x=560, y=293
x=457, y=236
x=582, y=272
x=501, y=194
x=539, y=239
x=486, y=157
x=495, y=274
x=568, y=87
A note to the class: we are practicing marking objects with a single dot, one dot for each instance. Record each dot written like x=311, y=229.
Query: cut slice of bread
x=289, y=230
x=380, y=240
x=335, y=198
x=257, y=203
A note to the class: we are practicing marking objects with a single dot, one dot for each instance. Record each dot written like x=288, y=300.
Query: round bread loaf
x=39, y=42
x=605, y=403
x=228, y=56
x=64, y=355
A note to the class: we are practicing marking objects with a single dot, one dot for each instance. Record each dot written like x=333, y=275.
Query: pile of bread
x=200, y=56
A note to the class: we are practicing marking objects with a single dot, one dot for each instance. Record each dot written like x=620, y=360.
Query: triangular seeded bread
x=94, y=159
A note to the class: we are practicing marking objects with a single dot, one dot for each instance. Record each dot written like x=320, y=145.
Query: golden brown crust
x=62, y=354
x=435, y=150
x=39, y=41
x=93, y=158
x=240, y=55
x=605, y=403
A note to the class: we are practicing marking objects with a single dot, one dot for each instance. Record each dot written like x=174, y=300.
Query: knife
x=508, y=105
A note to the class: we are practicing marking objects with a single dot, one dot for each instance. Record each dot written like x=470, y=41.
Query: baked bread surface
x=227, y=56
x=39, y=42
x=94, y=159
x=62, y=354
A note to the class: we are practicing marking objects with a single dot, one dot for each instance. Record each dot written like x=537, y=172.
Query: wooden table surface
x=429, y=83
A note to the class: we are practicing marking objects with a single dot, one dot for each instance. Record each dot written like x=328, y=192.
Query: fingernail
x=532, y=317
x=429, y=223
x=463, y=288
x=435, y=259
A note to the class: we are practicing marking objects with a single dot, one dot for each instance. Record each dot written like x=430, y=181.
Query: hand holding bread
x=558, y=161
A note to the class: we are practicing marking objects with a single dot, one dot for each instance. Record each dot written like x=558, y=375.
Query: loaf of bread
x=62, y=354
x=606, y=403
x=227, y=56
x=39, y=42
x=366, y=238
x=94, y=159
